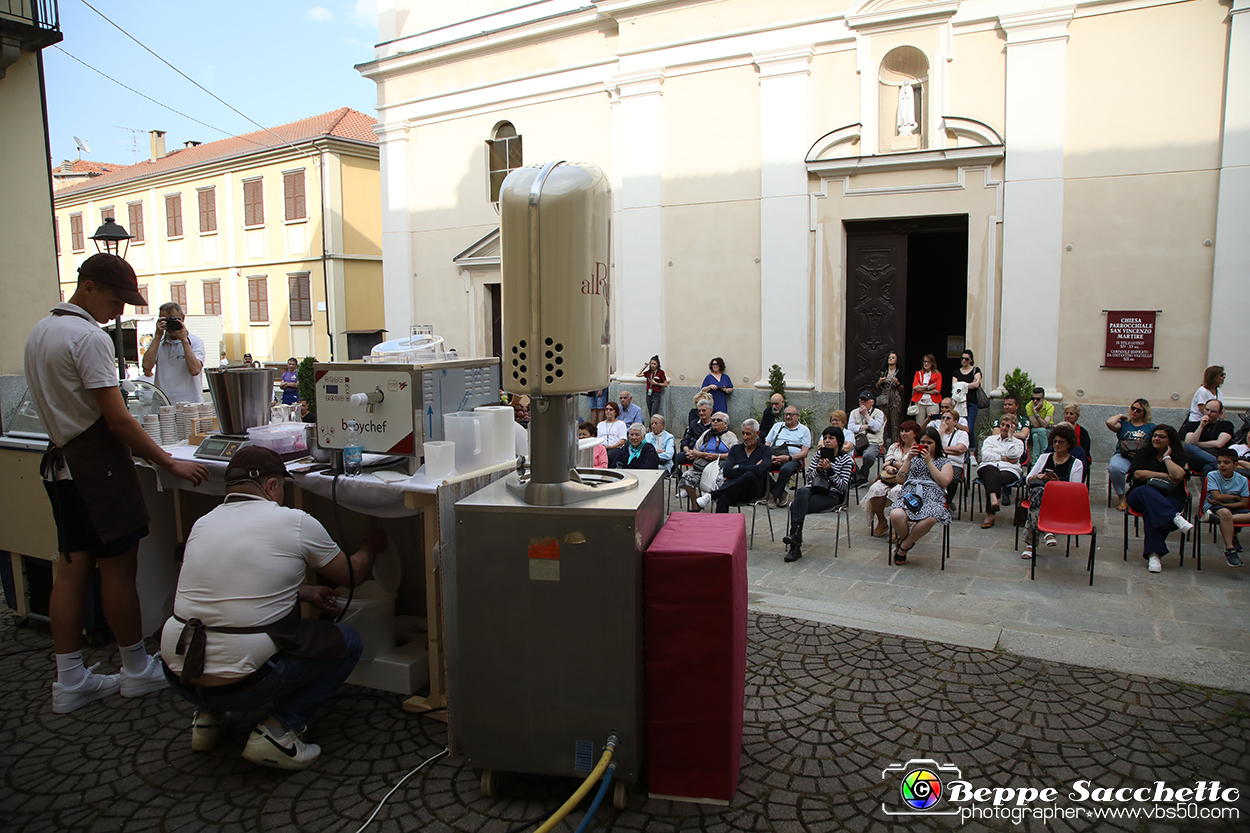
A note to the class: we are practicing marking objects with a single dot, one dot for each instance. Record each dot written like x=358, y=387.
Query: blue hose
x=594, y=805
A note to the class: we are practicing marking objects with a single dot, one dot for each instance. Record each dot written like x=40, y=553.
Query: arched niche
x=903, y=100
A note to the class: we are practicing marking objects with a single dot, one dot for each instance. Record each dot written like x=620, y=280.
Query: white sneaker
x=1154, y=565
x=146, y=681
x=703, y=501
x=206, y=731
x=279, y=748
x=1183, y=525
x=94, y=686
x=1050, y=540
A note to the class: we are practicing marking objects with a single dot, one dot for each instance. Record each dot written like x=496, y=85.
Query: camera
x=173, y=324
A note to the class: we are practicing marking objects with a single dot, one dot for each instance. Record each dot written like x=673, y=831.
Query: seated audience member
x=889, y=485
x=744, y=474
x=828, y=479
x=663, y=442
x=772, y=414
x=838, y=419
x=1040, y=415
x=637, y=453
x=947, y=405
x=1206, y=436
x=1228, y=501
x=612, y=431
x=599, y=455
x=789, y=443
x=630, y=412
x=1000, y=465
x=921, y=503
x=712, y=446
x=955, y=447
x=237, y=601
x=1133, y=432
x=694, y=429
x=867, y=424
x=1071, y=413
x=1060, y=464
x=1156, y=492
x=1011, y=405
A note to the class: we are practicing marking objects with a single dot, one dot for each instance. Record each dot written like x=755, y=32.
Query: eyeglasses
x=717, y=419
x=1136, y=410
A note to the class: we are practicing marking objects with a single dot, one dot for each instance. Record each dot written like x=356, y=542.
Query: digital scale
x=222, y=447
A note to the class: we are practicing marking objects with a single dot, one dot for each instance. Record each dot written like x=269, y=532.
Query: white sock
x=135, y=657
x=69, y=669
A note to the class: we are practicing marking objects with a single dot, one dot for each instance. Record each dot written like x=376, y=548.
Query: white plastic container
x=372, y=613
x=473, y=434
x=503, y=417
x=440, y=460
x=282, y=437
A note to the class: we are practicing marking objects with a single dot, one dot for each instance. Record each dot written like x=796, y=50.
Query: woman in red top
x=926, y=389
x=657, y=381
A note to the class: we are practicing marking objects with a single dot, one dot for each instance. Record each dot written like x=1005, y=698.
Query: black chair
x=946, y=544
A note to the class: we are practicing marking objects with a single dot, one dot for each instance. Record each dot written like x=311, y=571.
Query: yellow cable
x=586, y=786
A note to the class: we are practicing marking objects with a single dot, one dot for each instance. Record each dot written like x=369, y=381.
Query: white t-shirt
x=610, y=432
x=67, y=356
x=171, y=369
x=1199, y=403
x=243, y=565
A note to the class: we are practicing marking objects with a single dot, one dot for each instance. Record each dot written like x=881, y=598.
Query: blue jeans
x=1117, y=470
x=972, y=413
x=1157, y=511
x=598, y=400
x=295, y=685
x=1199, y=457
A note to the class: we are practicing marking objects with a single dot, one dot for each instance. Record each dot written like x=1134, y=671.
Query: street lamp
x=110, y=238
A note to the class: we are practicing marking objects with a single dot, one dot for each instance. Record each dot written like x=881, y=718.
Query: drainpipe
x=325, y=257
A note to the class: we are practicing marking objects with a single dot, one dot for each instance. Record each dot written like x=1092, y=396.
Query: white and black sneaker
x=206, y=730
x=92, y=687
x=1182, y=524
x=279, y=748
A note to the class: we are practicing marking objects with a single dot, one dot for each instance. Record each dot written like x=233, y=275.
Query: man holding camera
x=177, y=355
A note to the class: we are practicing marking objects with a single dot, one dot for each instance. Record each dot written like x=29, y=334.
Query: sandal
x=1027, y=554
x=900, y=554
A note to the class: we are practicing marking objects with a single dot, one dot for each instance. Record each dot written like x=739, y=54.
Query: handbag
x=861, y=442
x=913, y=409
x=709, y=477
x=983, y=399
x=1163, y=484
x=912, y=501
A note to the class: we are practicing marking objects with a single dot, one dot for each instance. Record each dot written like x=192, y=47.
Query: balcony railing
x=33, y=24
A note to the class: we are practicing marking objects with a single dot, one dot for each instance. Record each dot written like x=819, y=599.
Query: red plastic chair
x=1200, y=518
x=1065, y=511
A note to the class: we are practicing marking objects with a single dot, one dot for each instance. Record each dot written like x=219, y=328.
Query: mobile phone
x=829, y=454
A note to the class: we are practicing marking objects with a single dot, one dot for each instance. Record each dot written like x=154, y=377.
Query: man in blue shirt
x=630, y=413
x=1228, y=496
x=790, y=441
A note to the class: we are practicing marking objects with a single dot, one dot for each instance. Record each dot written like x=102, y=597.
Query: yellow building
x=279, y=232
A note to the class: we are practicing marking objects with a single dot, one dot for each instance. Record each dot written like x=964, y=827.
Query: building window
x=173, y=216
x=257, y=300
x=253, y=202
x=503, y=156
x=134, y=211
x=293, y=195
x=76, y=241
x=178, y=294
x=208, y=210
x=105, y=213
x=212, y=297
x=301, y=297
x=143, y=290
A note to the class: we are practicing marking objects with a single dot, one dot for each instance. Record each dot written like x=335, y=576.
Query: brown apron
x=104, y=474
x=308, y=638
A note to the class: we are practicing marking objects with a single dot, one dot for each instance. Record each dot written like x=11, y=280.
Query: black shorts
x=75, y=531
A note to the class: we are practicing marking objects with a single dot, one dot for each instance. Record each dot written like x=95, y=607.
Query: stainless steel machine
x=544, y=588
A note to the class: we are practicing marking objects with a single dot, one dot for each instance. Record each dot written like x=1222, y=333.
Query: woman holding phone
x=828, y=475
x=922, y=502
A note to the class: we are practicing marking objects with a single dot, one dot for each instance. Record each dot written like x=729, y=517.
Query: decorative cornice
x=911, y=160
x=780, y=63
x=869, y=17
x=392, y=131
x=638, y=84
x=1037, y=26
x=843, y=135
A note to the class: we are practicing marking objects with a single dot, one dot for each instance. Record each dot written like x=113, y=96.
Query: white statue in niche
x=905, y=122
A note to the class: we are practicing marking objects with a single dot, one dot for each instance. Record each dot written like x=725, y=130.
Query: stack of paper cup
x=152, y=425
x=204, y=424
x=168, y=425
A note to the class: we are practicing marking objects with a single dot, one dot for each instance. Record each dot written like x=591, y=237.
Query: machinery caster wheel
x=620, y=793
x=487, y=783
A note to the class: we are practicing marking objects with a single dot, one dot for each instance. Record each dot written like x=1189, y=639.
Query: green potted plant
x=304, y=376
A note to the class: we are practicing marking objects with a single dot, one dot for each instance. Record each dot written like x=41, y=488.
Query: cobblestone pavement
x=828, y=708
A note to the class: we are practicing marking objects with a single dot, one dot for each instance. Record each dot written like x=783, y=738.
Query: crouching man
x=235, y=641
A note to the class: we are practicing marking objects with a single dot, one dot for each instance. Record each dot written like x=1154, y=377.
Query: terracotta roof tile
x=344, y=123
x=86, y=166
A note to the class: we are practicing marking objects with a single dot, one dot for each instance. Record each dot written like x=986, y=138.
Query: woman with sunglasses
x=928, y=475
x=955, y=447
x=1157, y=478
x=718, y=384
x=1132, y=432
x=926, y=389
x=969, y=374
x=712, y=445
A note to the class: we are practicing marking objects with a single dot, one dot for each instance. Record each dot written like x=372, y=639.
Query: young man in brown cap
x=235, y=641
x=90, y=478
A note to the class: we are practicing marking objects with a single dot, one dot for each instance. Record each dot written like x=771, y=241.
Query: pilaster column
x=785, y=286
x=397, y=276
x=1037, y=44
x=1230, y=285
x=637, y=126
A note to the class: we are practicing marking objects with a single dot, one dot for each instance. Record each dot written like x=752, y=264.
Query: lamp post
x=111, y=238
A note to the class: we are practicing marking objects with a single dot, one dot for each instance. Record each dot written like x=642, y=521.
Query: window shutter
x=105, y=213
x=56, y=235
x=293, y=192
x=76, y=241
x=135, y=214
x=208, y=210
x=173, y=216
x=143, y=290
x=257, y=300
x=212, y=297
x=253, y=203
x=301, y=298
x=178, y=294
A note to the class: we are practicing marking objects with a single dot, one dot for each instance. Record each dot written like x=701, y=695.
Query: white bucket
x=372, y=613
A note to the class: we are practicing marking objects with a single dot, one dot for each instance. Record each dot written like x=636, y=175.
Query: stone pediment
x=893, y=15
x=484, y=254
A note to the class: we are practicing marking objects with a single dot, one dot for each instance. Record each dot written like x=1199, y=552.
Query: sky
x=275, y=61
